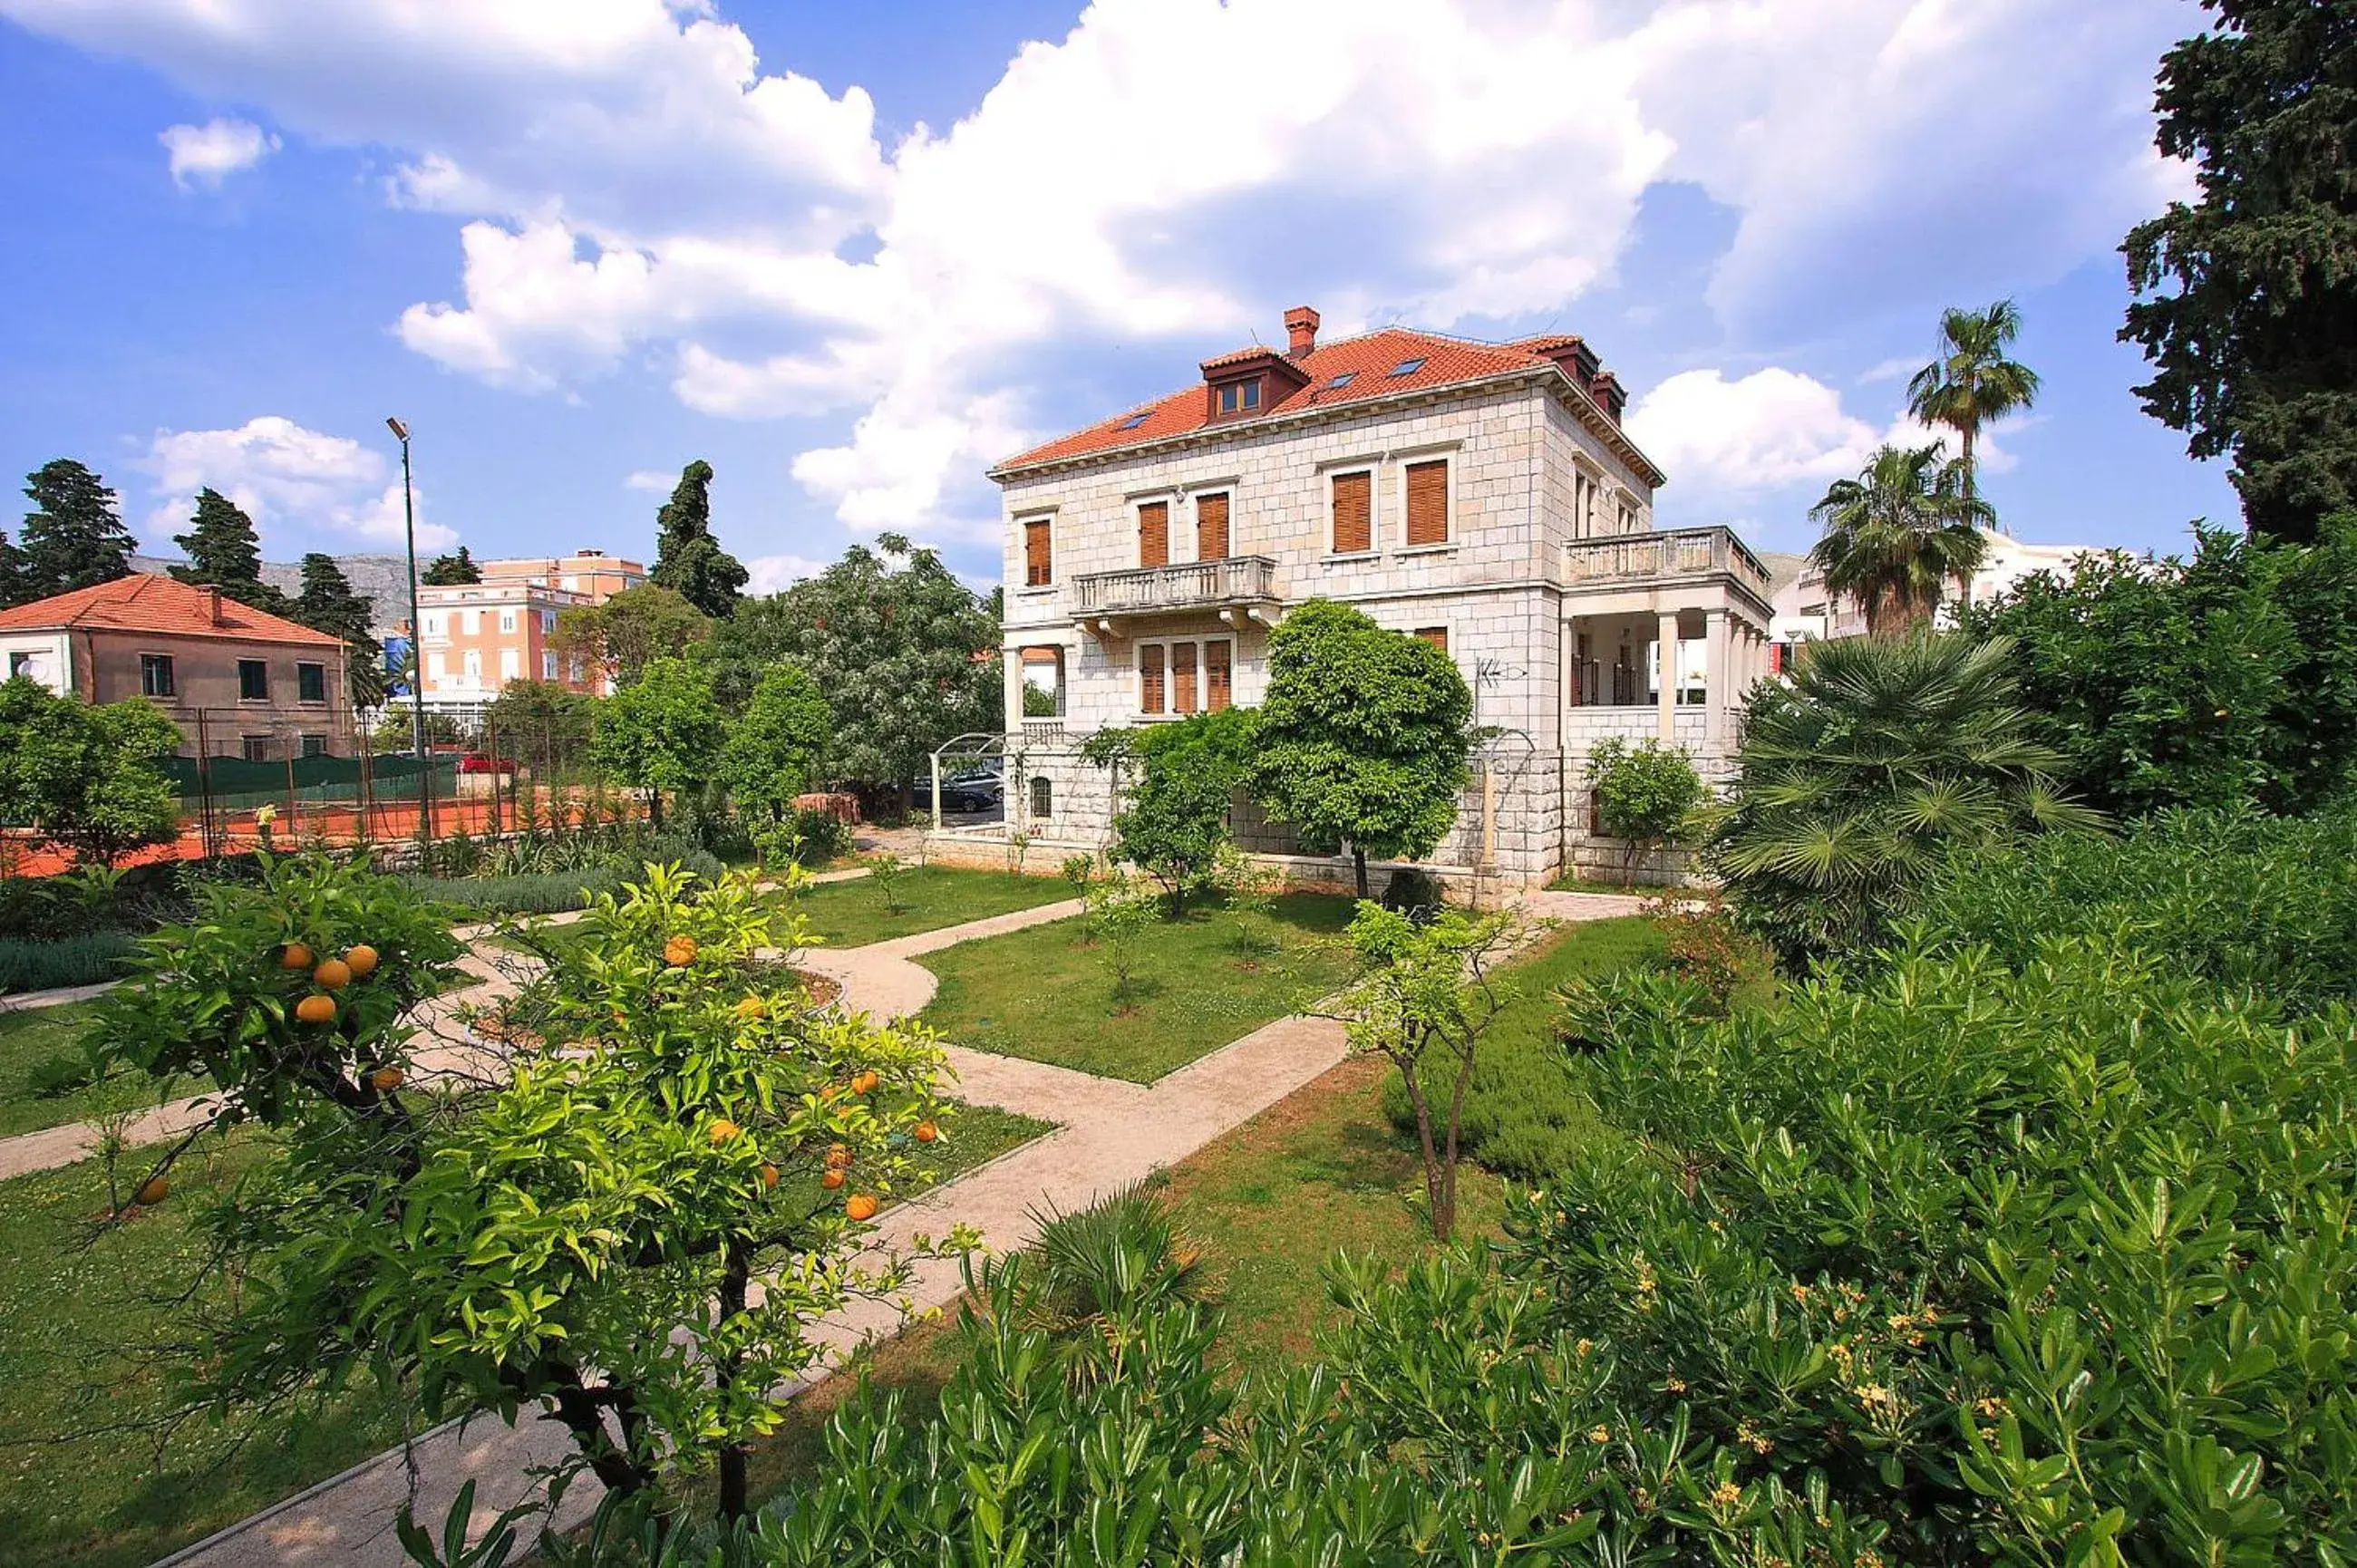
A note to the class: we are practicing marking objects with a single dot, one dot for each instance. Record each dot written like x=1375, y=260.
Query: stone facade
x=1538, y=479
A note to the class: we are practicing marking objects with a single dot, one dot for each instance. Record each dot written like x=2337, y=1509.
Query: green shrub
x=546, y=893
x=69, y=961
x=2233, y=897
x=1647, y=794
x=824, y=836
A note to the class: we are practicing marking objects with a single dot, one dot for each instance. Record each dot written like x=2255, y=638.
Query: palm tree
x=1881, y=759
x=1971, y=382
x=1897, y=533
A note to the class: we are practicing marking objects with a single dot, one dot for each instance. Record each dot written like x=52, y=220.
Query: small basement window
x=1407, y=367
x=1043, y=796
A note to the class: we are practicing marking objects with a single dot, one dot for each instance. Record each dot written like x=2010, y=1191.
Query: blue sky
x=851, y=254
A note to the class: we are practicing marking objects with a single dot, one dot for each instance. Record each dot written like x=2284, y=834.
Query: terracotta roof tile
x=1368, y=361
x=164, y=606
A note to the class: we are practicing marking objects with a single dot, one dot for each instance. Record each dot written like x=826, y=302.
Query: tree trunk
x=1442, y=1203
x=734, y=1279
x=1359, y=861
x=1967, y=434
x=654, y=809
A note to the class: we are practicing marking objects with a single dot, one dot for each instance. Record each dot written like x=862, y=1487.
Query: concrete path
x=879, y=978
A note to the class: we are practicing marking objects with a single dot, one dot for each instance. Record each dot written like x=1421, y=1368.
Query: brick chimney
x=1300, y=332
x=213, y=606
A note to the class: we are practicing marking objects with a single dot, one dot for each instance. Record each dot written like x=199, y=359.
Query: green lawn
x=40, y=1049
x=851, y=914
x=1047, y=993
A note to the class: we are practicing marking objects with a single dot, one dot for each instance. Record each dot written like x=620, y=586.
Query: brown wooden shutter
x=1212, y=527
x=1218, y=682
x=1436, y=635
x=1149, y=679
x=1353, y=512
x=1154, y=534
x=1182, y=677
x=1427, y=503
x=1037, y=557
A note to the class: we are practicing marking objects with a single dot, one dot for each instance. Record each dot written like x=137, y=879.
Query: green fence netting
x=234, y=784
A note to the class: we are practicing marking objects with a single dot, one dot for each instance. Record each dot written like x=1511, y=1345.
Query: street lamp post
x=416, y=627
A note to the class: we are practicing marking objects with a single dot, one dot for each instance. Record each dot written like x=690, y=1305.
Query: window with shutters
x=1154, y=534
x=1039, y=569
x=1436, y=635
x=1211, y=526
x=1351, y=496
x=1426, y=483
x=1150, y=692
x=1182, y=678
x=1219, y=674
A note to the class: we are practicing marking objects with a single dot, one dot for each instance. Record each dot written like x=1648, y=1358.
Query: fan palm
x=1895, y=535
x=1971, y=382
x=1878, y=759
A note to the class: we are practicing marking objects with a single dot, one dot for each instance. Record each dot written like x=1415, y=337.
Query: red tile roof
x=163, y=606
x=1369, y=360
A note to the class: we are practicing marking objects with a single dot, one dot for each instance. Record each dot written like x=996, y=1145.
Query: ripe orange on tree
x=316, y=1008
x=153, y=1191
x=834, y=1178
x=927, y=1131
x=723, y=1130
x=385, y=1080
x=294, y=955
x=680, y=951
x=860, y=1205
x=867, y=1081
x=362, y=960
x=769, y=1176
x=838, y=1154
x=333, y=975
x=752, y=1007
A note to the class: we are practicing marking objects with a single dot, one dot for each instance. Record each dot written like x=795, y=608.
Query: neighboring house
x=238, y=679
x=1807, y=613
x=1481, y=495
x=480, y=635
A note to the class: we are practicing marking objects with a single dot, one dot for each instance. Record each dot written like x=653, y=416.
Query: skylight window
x=1134, y=420
x=1408, y=367
x=1344, y=380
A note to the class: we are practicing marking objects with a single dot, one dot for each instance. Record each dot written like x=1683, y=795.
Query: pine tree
x=74, y=537
x=688, y=559
x=451, y=571
x=225, y=552
x=328, y=604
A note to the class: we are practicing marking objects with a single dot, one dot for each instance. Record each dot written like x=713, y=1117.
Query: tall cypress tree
x=688, y=559
x=74, y=537
x=2254, y=348
x=225, y=552
x=451, y=571
x=329, y=604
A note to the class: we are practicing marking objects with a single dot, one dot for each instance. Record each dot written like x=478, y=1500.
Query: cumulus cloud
x=634, y=189
x=770, y=572
x=207, y=154
x=655, y=481
x=288, y=478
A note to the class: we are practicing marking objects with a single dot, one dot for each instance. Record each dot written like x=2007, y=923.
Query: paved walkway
x=1111, y=1133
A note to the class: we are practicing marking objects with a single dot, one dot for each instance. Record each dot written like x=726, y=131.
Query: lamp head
x=400, y=430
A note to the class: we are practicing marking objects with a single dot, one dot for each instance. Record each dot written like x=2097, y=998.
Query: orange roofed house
x=267, y=688
x=480, y=635
x=1482, y=496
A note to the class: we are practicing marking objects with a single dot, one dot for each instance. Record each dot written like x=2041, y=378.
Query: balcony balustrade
x=1674, y=555
x=1192, y=584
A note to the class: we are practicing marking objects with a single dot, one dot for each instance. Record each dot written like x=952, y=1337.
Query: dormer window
x=1240, y=397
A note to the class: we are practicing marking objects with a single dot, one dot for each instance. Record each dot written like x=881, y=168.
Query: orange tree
x=635, y=1223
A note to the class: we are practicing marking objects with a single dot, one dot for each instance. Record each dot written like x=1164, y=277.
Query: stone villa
x=1479, y=495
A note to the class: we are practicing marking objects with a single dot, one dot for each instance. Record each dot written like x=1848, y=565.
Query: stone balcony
x=1235, y=584
x=1673, y=557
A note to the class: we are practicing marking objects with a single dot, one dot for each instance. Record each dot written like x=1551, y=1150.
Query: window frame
x=507, y=620
x=1234, y=399
x=1448, y=537
x=1374, y=532
x=305, y=671
x=310, y=744
x=1138, y=509
x=1043, y=797
x=244, y=695
x=149, y=664
x=1227, y=494
x=248, y=745
x=1024, y=523
x=1169, y=710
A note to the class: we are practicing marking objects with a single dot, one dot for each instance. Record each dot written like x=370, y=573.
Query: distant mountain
x=381, y=580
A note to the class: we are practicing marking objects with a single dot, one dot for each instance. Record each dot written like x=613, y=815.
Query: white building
x=1481, y=495
x=1807, y=613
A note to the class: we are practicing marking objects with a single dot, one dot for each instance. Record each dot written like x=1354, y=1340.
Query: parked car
x=974, y=792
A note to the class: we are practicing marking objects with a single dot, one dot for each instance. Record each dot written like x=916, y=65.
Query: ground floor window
x=1187, y=676
x=1043, y=796
x=254, y=748
x=314, y=746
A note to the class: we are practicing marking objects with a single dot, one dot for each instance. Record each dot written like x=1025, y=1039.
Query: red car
x=476, y=762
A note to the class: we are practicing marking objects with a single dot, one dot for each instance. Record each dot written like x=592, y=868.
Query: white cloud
x=655, y=481
x=772, y=573
x=1899, y=367
x=207, y=154
x=286, y=478
x=636, y=190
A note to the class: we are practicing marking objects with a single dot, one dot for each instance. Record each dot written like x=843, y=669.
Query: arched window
x=1043, y=796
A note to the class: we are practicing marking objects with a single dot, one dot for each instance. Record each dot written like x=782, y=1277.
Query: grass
x=853, y=914
x=41, y=1053
x=81, y=1329
x=1047, y=993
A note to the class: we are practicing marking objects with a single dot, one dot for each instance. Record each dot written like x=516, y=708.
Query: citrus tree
x=85, y=778
x=774, y=746
x=634, y=1223
x=662, y=732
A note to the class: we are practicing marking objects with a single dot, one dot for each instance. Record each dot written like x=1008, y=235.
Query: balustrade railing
x=1669, y=554
x=1231, y=580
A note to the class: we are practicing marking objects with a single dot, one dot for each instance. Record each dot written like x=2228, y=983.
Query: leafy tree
x=85, y=778
x=662, y=732
x=2230, y=677
x=621, y=637
x=1647, y=794
x=1172, y=819
x=891, y=637
x=1364, y=737
x=688, y=559
x=451, y=571
x=775, y=747
x=541, y=725
x=328, y=604
x=1424, y=997
x=1899, y=533
x=74, y=537
x=1039, y=703
x=1971, y=382
x=2254, y=344
x=396, y=732
x=586, y=1234
x=225, y=552
x=1852, y=784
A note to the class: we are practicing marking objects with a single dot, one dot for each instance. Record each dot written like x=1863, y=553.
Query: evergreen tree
x=225, y=552
x=74, y=537
x=2255, y=348
x=329, y=604
x=451, y=571
x=688, y=559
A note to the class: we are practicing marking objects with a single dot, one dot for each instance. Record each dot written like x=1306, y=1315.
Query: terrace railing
x=1667, y=556
x=1233, y=580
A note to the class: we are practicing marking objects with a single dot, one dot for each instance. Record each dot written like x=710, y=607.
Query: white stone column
x=1014, y=657
x=1717, y=681
x=1666, y=634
